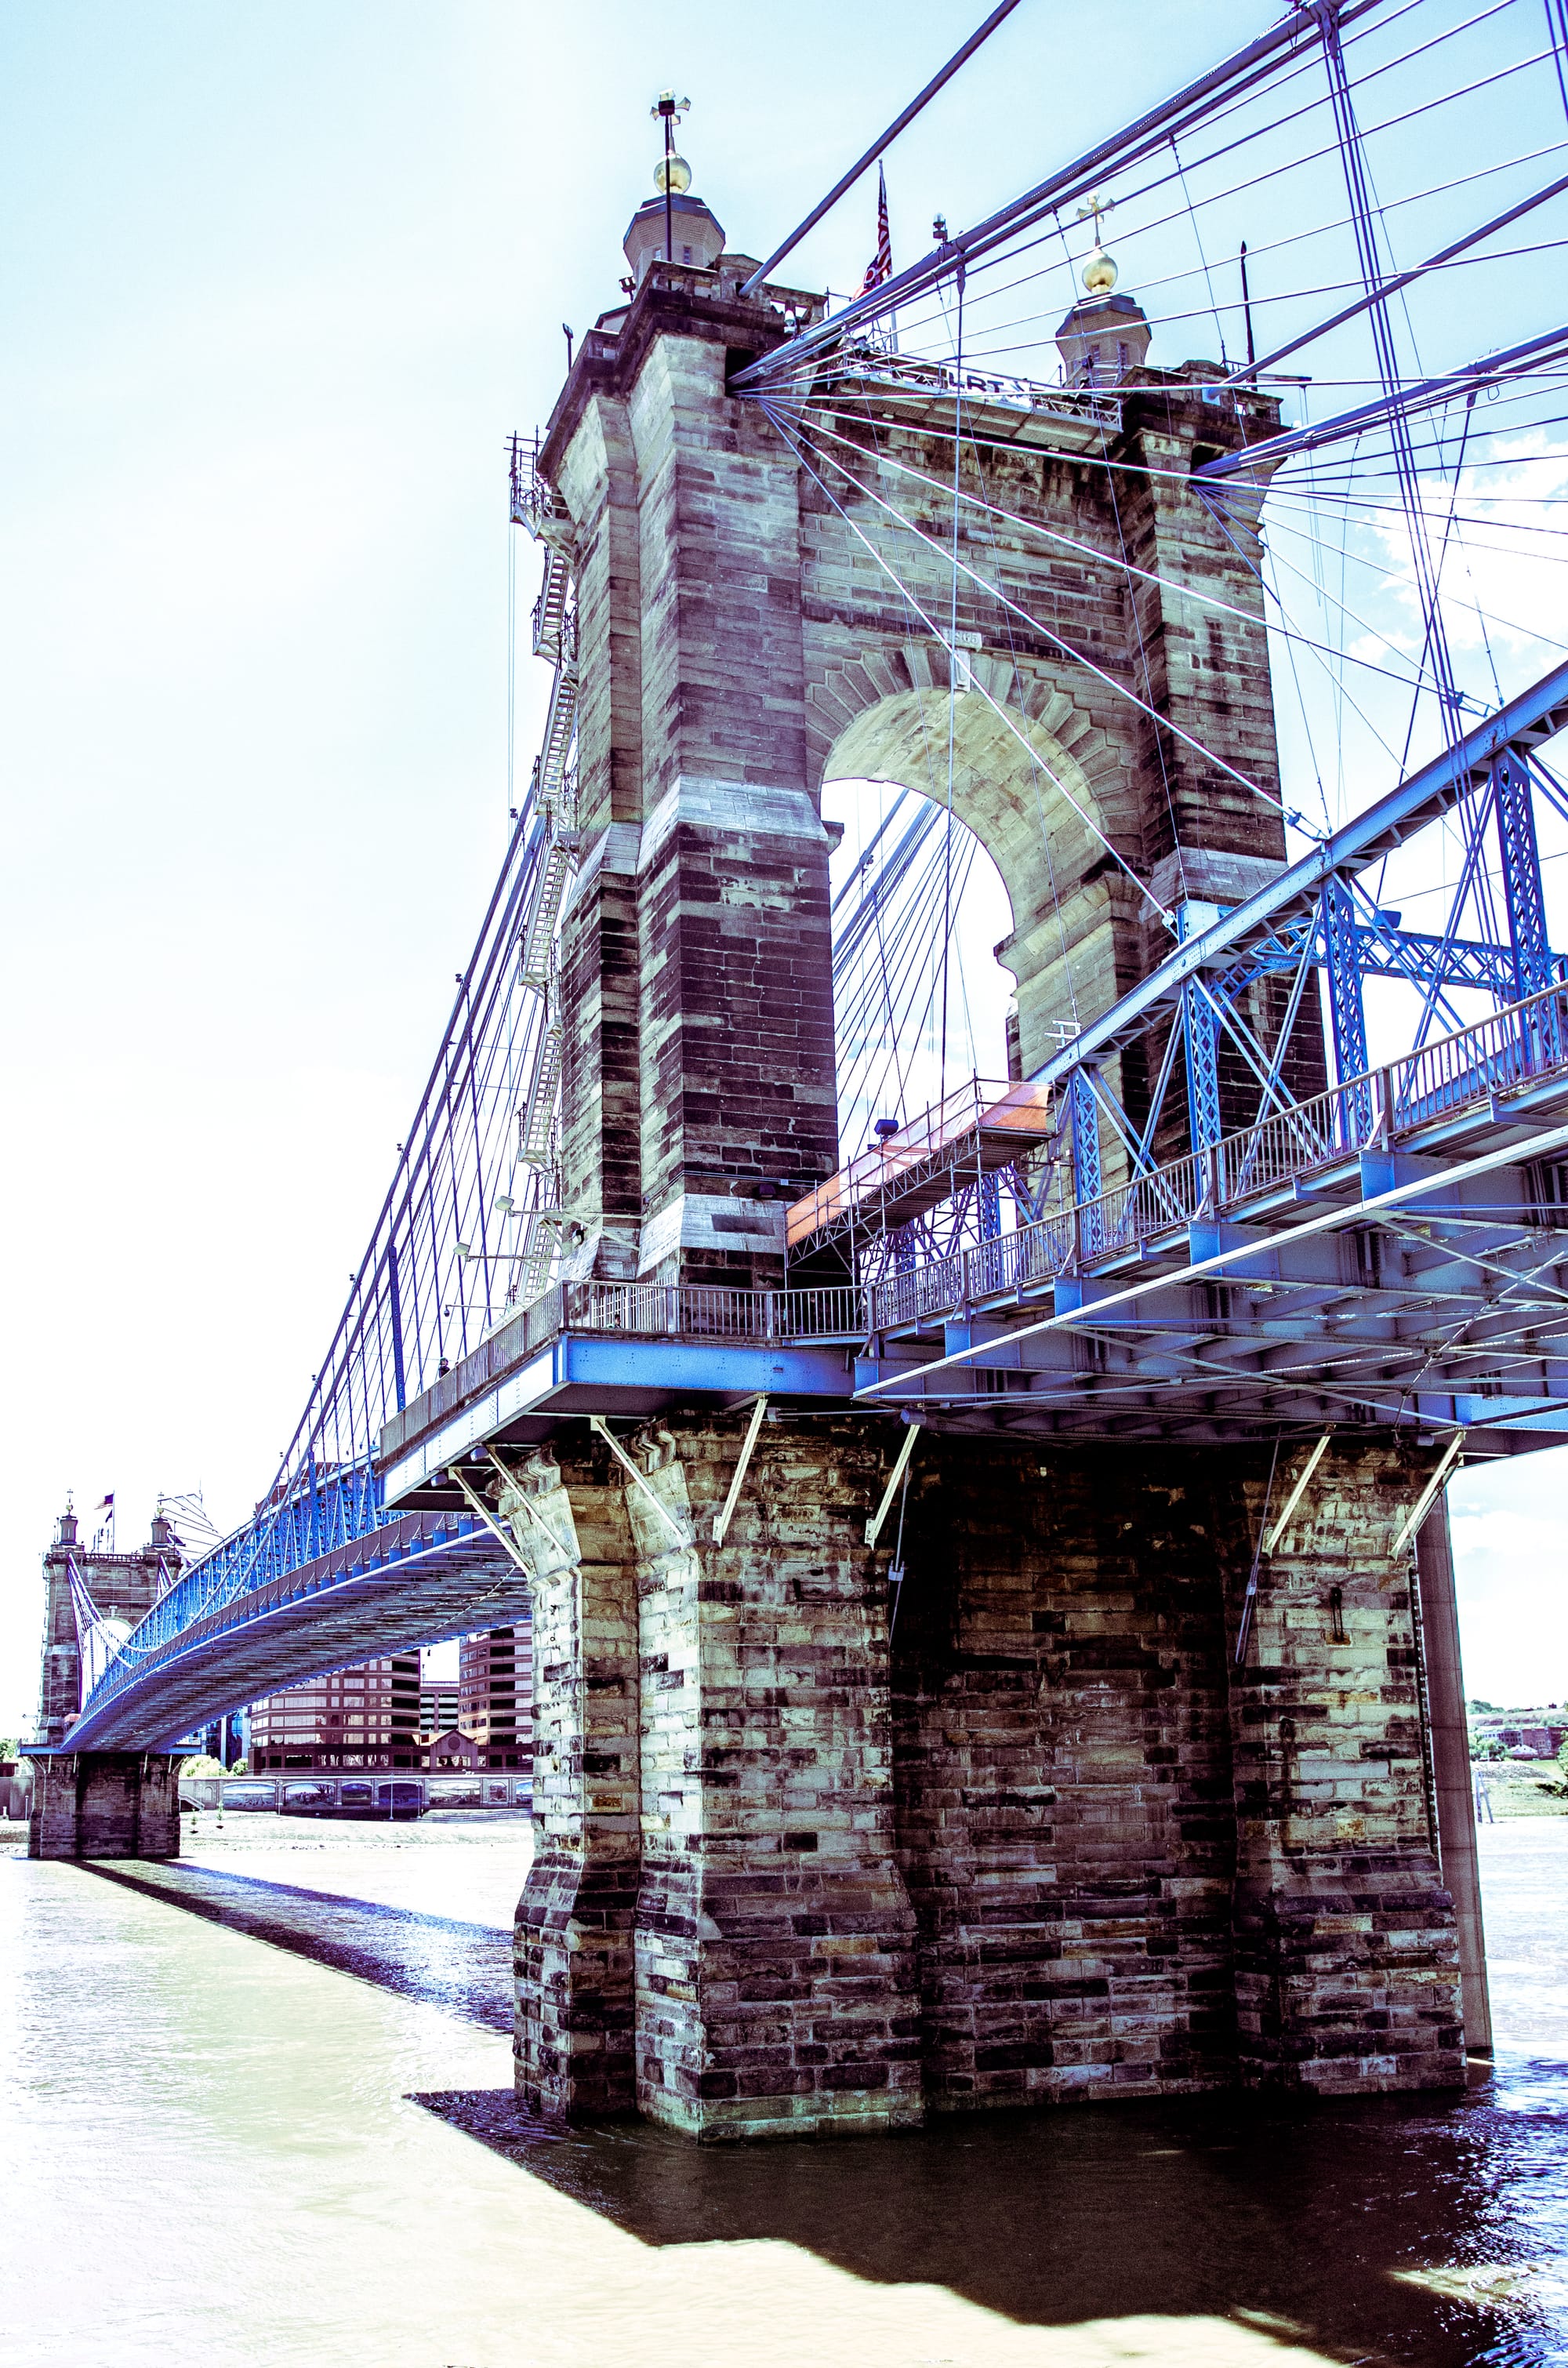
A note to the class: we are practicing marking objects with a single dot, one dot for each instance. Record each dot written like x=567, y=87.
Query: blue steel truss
x=1521, y=874
x=1084, y=1131
x=1201, y=1019
x=319, y=1513
x=1341, y=965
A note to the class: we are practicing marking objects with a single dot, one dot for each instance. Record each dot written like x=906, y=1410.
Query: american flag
x=881, y=266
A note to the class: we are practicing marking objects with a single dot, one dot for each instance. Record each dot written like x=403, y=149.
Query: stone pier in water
x=1051, y=1845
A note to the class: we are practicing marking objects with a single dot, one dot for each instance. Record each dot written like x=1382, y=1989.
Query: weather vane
x=672, y=173
x=1099, y=272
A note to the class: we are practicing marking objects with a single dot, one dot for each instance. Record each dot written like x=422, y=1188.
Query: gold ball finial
x=672, y=173
x=1099, y=272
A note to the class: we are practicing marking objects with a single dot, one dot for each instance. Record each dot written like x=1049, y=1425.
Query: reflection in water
x=241, y=2108
x=1427, y=2231
x=464, y=1968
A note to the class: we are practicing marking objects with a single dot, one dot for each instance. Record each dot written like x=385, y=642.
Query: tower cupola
x=1101, y=340
x=673, y=227
x=696, y=234
x=1104, y=336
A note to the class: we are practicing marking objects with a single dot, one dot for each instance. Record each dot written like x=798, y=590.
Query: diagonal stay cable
x=1162, y=723
x=936, y=632
x=1097, y=557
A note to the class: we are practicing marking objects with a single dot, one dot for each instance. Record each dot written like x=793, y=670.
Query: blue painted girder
x=1443, y=1284
x=583, y=1372
x=1516, y=729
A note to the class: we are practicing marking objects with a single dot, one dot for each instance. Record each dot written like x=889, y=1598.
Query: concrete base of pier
x=1048, y=1841
x=105, y=1804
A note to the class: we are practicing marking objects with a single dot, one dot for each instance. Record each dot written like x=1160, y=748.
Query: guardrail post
x=1385, y=1109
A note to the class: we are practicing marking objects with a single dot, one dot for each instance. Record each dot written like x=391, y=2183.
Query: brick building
x=363, y=1717
x=496, y=1694
x=381, y=1715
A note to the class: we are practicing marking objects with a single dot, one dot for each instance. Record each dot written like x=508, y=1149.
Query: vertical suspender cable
x=952, y=694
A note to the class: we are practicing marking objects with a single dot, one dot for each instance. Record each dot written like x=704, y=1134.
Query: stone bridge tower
x=1049, y=1842
x=98, y=1805
x=750, y=625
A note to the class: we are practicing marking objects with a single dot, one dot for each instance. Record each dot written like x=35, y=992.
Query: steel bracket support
x=491, y=1523
x=874, y=1526
x=597, y=1422
x=1272, y=1542
x=527, y=1502
x=1425, y=1502
x=722, y=1517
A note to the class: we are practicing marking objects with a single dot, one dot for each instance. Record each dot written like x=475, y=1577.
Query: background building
x=363, y=1717
x=496, y=1694
x=381, y=1715
x=437, y=1709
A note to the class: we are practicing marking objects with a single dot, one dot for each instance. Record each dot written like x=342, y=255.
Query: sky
x=278, y=282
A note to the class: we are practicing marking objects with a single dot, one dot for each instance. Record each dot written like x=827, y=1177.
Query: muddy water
x=256, y=2108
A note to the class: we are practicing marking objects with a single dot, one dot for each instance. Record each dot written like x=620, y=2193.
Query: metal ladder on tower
x=550, y=609
x=555, y=794
x=537, y=507
x=538, y=1117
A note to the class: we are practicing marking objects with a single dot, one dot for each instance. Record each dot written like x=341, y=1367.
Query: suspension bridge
x=981, y=1503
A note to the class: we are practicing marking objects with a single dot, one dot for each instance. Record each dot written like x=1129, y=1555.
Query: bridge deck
x=1394, y=1252
x=408, y=1581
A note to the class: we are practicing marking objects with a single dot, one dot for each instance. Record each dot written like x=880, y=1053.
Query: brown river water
x=256, y=2108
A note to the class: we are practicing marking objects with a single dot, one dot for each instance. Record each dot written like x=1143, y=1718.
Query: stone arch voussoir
x=1043, y=811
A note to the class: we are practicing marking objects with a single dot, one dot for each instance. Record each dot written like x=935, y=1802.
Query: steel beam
x=1084, y=1130
x=1200, y=1034
x=1516, y=729
x=1347, y=1017
x=1521, y=874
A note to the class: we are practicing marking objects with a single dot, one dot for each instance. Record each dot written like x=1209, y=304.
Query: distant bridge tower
x=1053, y=1843
x=98, y=1805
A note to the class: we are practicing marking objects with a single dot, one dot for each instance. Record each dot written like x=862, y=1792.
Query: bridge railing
x=1497, y=1054
x=1524, y=1043
x=1290, y=1143
x=331, y=1510
x=863, y=358
x=715, y=1311
x=1507, y=1051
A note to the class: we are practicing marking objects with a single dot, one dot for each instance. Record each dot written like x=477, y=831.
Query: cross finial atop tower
x=672, y=173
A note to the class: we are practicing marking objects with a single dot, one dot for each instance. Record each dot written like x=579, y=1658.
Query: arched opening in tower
x=921, y=1003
